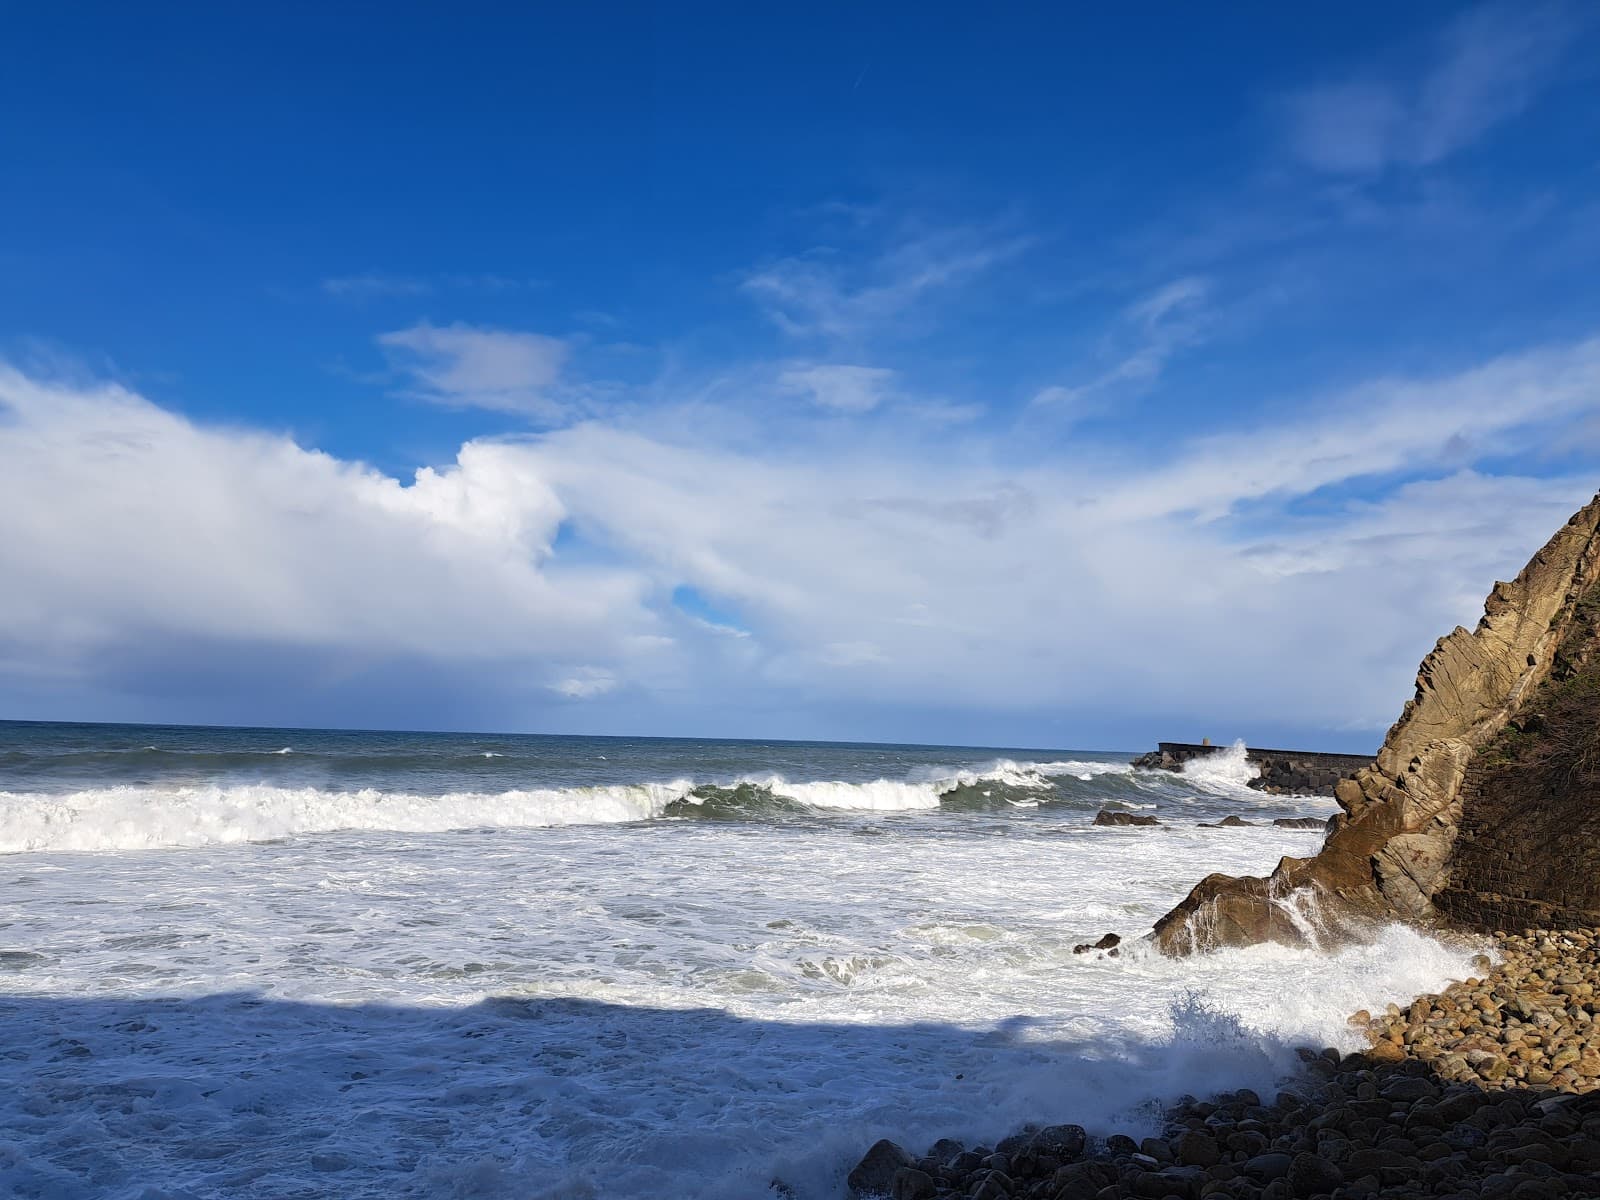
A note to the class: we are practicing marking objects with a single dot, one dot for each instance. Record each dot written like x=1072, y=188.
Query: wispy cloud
x=1152, y=331
x=465, y=366
x=1502, y=408
x=828, y=292
x=380, y=285
x=374, y=286
x=838, y=387
x=1480, y=71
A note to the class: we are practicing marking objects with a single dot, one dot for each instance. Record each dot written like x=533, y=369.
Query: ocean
x=297, y=963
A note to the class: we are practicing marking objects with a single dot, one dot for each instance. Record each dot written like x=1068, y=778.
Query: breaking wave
x=148, y=817
x=137, y=818
x=1226, y=773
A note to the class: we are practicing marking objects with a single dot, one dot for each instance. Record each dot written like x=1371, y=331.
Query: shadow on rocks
x=1347, y=1128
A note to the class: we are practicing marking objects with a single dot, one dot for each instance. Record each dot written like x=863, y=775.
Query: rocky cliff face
x=1482, y=808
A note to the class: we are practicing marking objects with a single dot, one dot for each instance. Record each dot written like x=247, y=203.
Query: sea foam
x=144, y=817
x=136, y=818
x=666, y=1009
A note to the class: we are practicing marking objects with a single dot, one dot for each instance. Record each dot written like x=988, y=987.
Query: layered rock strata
x=1482, y=808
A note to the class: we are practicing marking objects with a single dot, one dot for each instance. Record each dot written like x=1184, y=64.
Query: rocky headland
x=1481, y=814
x=1480, y=811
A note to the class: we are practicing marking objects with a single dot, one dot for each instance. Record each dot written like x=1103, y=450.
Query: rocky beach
x=1477, y=818
x=1486, y=1089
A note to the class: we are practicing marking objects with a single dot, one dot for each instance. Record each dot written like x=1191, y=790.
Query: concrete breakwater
x=1306, y=772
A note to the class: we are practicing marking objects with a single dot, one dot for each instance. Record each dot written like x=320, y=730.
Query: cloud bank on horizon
x=886, y=468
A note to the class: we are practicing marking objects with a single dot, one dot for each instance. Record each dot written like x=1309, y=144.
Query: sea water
x=286, y=963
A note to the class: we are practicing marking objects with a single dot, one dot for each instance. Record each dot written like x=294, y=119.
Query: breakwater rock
x=1281, y=772
x=1424, y=1113
x=1482, y=808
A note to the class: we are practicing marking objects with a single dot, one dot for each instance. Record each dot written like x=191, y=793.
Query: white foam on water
x=135, y=818
x=1226, y=772
x=879, y=795
x=665, y=1008
x=926, y=788
x=143, y=817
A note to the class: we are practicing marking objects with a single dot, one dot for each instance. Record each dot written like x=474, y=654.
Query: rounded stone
x=1310, y=1174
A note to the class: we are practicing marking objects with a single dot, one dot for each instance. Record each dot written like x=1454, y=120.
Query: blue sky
x=1050, y=377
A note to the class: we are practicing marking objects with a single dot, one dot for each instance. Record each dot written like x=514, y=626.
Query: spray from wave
x=1225, y=773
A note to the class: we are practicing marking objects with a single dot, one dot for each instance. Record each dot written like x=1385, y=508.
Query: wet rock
x=875, y=1173
x=994, y=1186
x=1017, y=1141
x=1108, y=816
x=1263, y=1168
x=1109, y=942
x=1197, y=1148
x=1157, y=1149
x=966, y=1162
x=1310, y=1174
x=1407, y=1089
x=1414, y=1116
x=1064, y=1142
x=911, y=1184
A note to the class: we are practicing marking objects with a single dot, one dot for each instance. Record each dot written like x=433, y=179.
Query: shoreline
x=1485, y=1089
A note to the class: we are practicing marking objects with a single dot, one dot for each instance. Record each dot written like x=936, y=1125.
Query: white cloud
x=141, y=550
x=585, y=684
x=837, y=386
x=465, y=366
x=826, y=293
x=1502, y=408
x=1482, y=70
x=135, y=528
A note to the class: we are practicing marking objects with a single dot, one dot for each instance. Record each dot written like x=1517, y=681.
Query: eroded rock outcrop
x=1483, y=806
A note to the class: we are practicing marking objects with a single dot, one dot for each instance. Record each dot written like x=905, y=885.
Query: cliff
x=1482, y=808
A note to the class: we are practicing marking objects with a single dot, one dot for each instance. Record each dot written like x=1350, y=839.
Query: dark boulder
x=874, y=1174
x=1109, y=942
x=1065, y=1142
x=912, y=1184
x=1107, y=817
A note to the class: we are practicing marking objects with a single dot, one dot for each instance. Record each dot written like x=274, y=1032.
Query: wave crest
x=137, y=818
x=150, y=817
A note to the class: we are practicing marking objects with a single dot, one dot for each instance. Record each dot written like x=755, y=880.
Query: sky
x=1041, y=375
